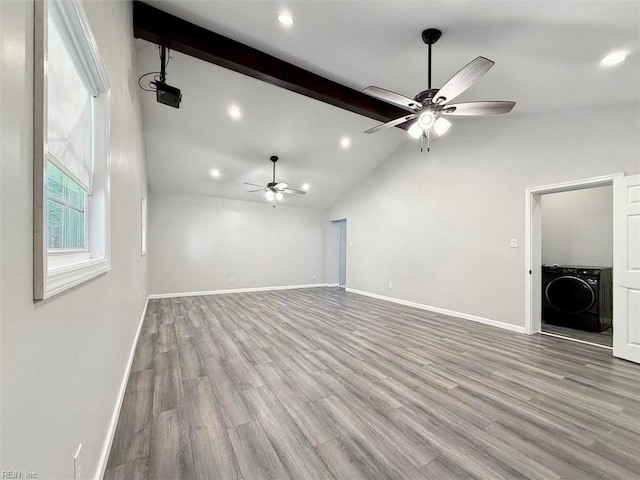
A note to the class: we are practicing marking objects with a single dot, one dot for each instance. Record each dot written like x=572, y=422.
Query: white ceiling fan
x=275, y=190
x=430, y=107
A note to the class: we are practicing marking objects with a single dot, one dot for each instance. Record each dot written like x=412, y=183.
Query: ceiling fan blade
x=251, y=191
x=473, y=109
x=254, y=184
x=463, y=79
x=294, y=190
x=392, y=97
x=392, y=123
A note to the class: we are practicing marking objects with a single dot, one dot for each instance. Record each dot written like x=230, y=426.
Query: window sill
x=58, y=259
x=64, y=278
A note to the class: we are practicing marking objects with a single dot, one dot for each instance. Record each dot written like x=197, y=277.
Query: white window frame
x=57, y=271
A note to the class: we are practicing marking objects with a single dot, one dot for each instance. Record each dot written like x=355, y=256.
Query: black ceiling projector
x=167, y=94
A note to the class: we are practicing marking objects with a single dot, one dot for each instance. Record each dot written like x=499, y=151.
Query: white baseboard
x=333, y=284
x=466, y=316
x=234, y=290
x=111, y=431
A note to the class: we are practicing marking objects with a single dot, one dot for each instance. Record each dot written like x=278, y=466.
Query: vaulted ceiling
x=547, y=58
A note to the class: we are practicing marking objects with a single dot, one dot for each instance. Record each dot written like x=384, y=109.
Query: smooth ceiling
x=547, y=59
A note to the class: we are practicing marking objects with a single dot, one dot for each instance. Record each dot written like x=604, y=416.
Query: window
x=66, y=212
x=71, y=195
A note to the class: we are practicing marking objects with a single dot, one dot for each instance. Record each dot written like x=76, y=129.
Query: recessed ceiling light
x=215, y=173
x=234, y=112
x=306, y=187
x=285, y=18
x=345, y=142
x=614, y=58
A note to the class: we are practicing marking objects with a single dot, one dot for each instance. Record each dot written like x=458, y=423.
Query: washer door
x=570, y=295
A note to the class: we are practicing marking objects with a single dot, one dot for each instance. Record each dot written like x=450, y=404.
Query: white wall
x=63, y=359
x=438, y=224
x=577, y=227
x=196, y=243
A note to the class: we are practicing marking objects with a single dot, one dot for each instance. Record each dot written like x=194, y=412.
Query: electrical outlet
x=77, y=463
x=390, y=285
x=230, y=279
x=313, y=277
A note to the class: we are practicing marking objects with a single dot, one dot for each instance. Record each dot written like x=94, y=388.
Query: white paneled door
x=626, y=268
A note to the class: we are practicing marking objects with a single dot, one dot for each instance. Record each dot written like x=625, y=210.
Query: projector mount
x=164, y=93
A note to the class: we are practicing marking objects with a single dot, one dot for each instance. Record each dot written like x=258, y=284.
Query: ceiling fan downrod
x=430, y=36
x=429, y=66
x=274, y=159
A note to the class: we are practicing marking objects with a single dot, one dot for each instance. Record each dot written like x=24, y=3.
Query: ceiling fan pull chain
x=428, y=133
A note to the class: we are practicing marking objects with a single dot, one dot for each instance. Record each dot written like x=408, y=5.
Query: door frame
x=533, y=243
x=335, y=252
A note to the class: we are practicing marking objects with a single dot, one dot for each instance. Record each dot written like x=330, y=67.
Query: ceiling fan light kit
x=441, y=125
x=415, y=130
x=426, y=120
x=431, y=105
x=275, y=190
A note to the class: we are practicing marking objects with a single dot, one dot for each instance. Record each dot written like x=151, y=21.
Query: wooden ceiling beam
x=156, y=26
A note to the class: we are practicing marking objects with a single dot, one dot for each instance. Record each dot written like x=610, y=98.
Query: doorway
x=339, y=252
x=577, y=264
x=548, y=261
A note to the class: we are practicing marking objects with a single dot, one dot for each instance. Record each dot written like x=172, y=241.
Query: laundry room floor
x=604, y=338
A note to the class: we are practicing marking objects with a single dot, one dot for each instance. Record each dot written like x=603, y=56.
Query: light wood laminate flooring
x=322, y=384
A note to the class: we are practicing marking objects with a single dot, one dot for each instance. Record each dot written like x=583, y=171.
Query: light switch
x=350, y=244
x=514, y=243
